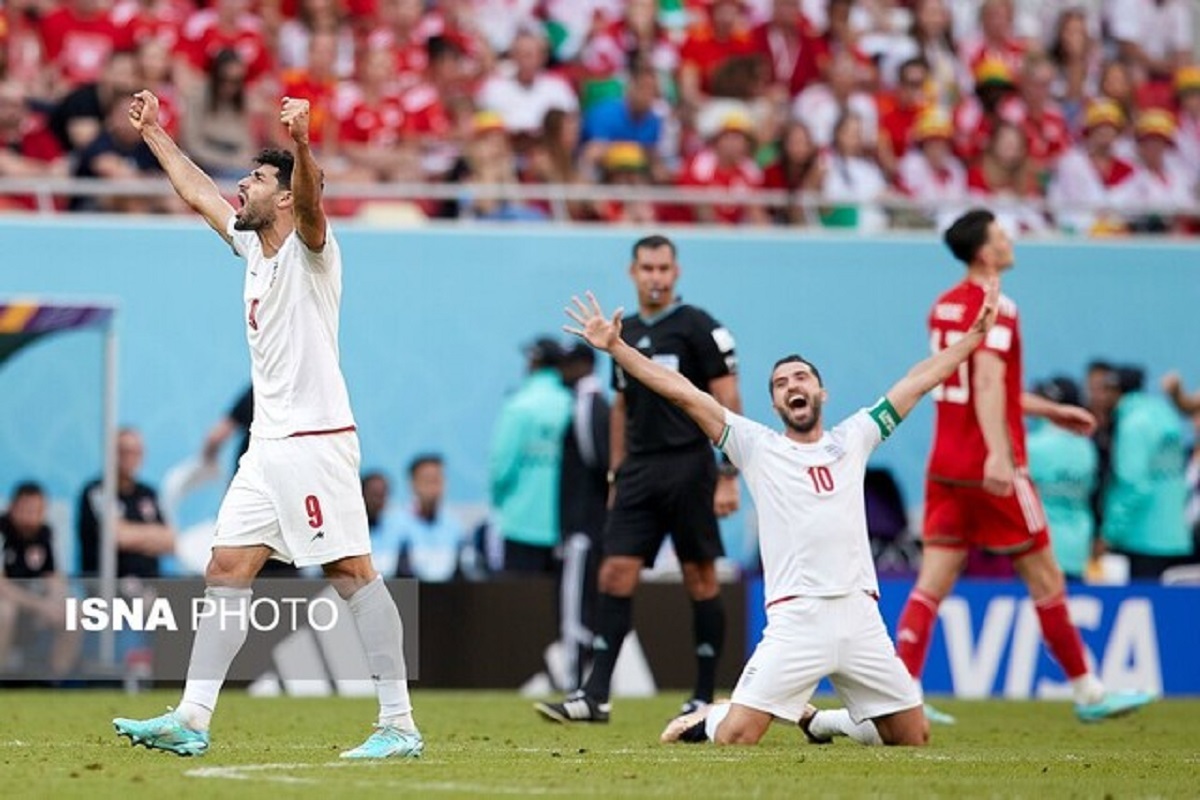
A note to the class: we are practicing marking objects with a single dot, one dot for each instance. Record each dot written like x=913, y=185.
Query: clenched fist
x=294, y=115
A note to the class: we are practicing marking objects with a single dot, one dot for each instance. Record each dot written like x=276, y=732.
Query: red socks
x=1061, y=635
x=915, y=629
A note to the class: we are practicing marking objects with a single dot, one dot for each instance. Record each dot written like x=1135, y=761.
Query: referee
x=665, y=480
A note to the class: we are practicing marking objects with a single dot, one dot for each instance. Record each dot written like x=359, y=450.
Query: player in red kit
x=977, y=492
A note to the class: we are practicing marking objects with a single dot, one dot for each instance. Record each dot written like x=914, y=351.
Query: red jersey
x=202, y=40
x=377, y=124
x=741, y=178
x=80, y=45
x=958, y=445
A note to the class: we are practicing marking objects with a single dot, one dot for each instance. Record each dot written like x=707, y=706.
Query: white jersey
x=291, y=311
x=812, y=519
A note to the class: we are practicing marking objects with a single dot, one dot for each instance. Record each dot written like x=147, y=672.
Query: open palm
x=595, y=328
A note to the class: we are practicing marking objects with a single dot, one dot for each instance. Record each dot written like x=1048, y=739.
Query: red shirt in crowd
x=79, y=45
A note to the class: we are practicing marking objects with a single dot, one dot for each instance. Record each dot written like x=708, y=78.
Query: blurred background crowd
x=1072, y=115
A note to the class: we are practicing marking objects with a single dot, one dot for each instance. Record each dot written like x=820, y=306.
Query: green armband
x=885, y=416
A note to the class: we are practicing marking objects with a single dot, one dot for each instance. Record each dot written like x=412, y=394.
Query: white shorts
x=300, y=496
x=842, y=638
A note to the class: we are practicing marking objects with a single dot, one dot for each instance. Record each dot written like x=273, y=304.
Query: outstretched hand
x=294, y=115
x=143, y=110
x=987, y=314
x=596, y=329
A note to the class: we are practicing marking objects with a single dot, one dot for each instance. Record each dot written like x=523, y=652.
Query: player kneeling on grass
x=822, y=609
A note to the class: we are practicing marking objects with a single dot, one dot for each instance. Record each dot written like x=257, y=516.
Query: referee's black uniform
x=666, y=482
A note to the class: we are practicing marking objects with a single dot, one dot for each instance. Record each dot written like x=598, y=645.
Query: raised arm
x=307, y=178
x=927, y=374
x=190, y=183
x=1072, y=418
x=604, y=334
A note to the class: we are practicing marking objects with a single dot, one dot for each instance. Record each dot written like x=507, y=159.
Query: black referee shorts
x=661, y=493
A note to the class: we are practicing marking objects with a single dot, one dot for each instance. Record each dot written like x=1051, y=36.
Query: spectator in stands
x=841, y=38
x=32, y=587
x=642, y=35
x=79, y=117
x=1064, y=468
x=225, y=25
x=898, y=111
x=1144, y=502
x=1187, y=110
x=27, y=148
x=722, y=34
x=489, y=161
x=526, y=461
x=78, y=39
x=635, y=117
x=1076, y=57
x=523, y=95
x=799, y=170
x=1047, y=134
x=317, y=82
x=930, y=39
x=292, y=46
x=427, y=105
x=402, y=31
x=142, y=534
x=118, y=153
x=1086, y=190
x=995, y=39
x=930, y=173
x=145, y=20
x=883, y=27
x=430, y=537
x=1160, y=178
x=821, y=105
x=557, y=158
x=385, y=544
x=501, y=22
x=371, y=134
x=625, y=164
x=853, y=183
x=1005, y=179
x=1153, y=36
x=727, y=163
x=993, y=102
x=218, y=133
x=156, y=67
x=792, y=48
x=1116, y=84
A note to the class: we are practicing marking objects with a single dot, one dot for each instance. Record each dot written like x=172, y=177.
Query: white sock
x=716, y=715
x=1087, y=689
x=219, y=636
x=382, y=634
x=837, y=722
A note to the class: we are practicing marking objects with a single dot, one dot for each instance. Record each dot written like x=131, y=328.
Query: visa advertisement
x=988, y=644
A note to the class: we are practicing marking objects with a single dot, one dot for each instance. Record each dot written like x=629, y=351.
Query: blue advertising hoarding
x=988, y=644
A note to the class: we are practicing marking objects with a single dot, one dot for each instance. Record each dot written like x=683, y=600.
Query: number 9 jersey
x=959, y=449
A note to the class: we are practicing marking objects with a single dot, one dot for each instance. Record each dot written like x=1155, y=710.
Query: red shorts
x=969, y=517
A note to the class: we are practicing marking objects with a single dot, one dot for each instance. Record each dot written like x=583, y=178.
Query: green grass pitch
x=60, y=745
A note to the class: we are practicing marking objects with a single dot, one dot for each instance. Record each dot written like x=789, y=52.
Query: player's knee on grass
x=908, y=728
x=743, y=726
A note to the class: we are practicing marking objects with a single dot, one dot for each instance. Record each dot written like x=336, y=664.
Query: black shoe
x=805, y=720
x=577, y=707
x=695, y=704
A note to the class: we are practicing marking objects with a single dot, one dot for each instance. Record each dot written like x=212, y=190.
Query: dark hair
x=421, y=459
x=1099, y=365
x=373, y=475
x=915, y=61
x=281, y=160
x=1060, y=389
x=653, y=242
x=215, y=72
x=793, y=358
x=439, y=47
x=27, y=489
x=968, y=234
x=1130, y=378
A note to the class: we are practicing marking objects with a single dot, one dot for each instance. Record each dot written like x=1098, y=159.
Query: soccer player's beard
x=814, y=405
x=252, y=220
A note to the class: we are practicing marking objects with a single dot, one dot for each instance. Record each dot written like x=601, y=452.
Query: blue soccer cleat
x=389, y=741
x=1112, y=704
x=937, y=717
x=166, y=732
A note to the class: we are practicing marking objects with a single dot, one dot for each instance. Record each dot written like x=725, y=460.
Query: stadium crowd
x=1077, y=115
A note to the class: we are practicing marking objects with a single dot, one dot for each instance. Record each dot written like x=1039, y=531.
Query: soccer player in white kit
x=296, y=494
x=821, y=592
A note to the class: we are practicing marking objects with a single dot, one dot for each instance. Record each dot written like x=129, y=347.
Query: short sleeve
x=741, y=439
x=321, y=260
x=717, y=349
x=862, y=431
